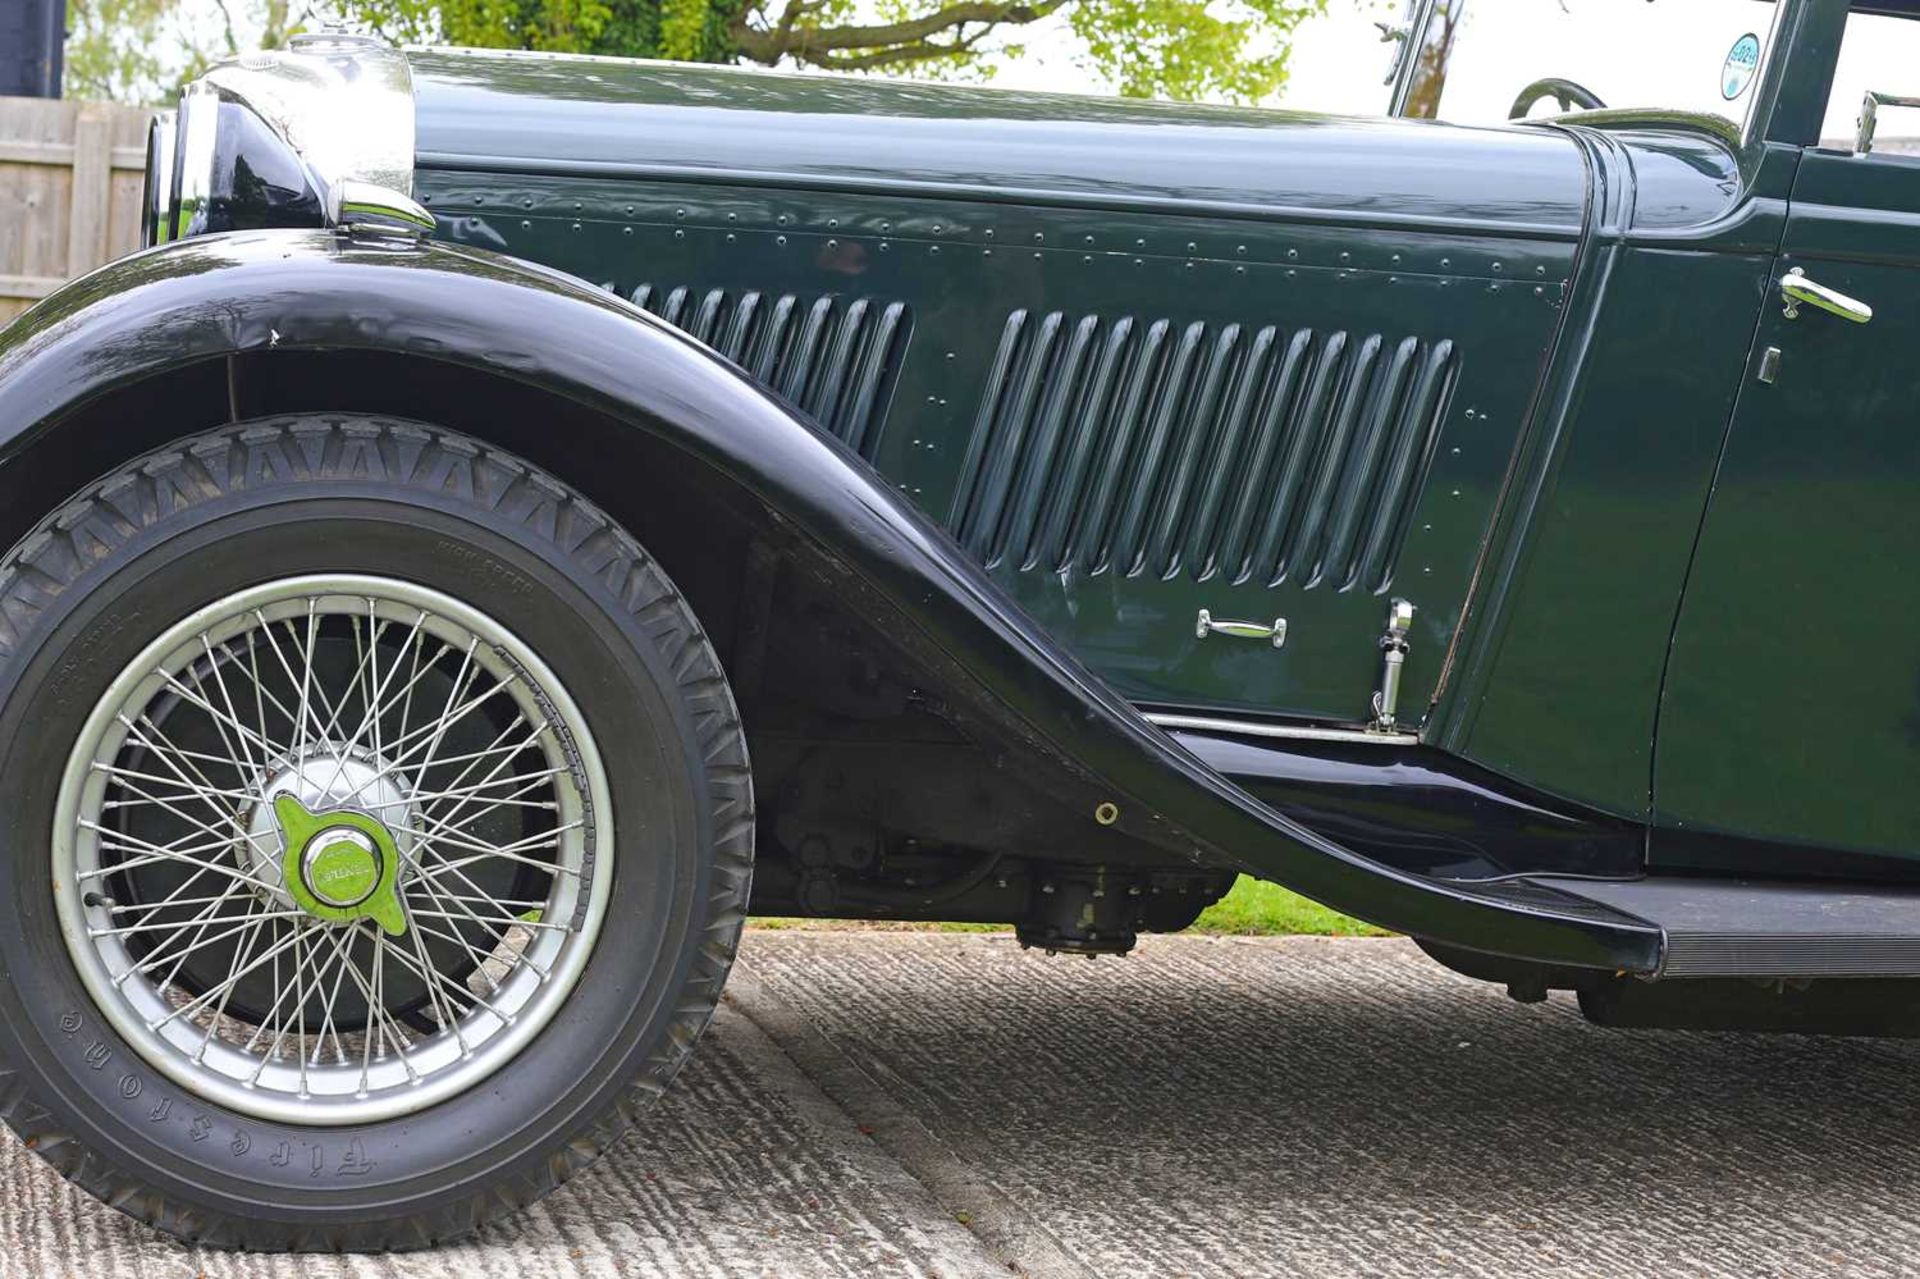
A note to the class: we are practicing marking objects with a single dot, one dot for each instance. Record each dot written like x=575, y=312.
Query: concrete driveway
x=915, y=1104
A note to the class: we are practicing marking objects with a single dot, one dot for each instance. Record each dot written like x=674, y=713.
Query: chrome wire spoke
x=317, y=700
x=446, y=984
x=194, y=698
x=433, y=834
x=515, y=749
x=201, y=940
x=442, y=1011
x=393, y=1041
x=507, y=754
x=527, y=782
x=148, y=735
x=132, y=929
x=147, y=907
x=421, y=912
x=242, y=753
x=444, y=827
x=505, y=903
x=298, y=682
x=183, y=754
x=372, y=696
x=121, y=842
x=455, y=936
x=232, y=978
x=243, y=953
x=196, y=926
x=150, y=854
x=516, y=856
x=327, y=1022
x=484, y=957
x=272, y=1021
x=494, y=748
x=227, y=920
x=200, y=826
x=414, y=756
x=188, y=788
x=429, y=886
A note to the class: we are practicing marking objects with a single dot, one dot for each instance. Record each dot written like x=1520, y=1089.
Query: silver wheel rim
x=348, y=1022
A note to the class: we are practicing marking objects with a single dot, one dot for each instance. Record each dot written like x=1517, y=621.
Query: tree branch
x=226, y=19
x=920, y=51
x=883, y=43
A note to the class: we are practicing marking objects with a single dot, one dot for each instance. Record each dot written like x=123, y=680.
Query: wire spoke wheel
x=332, y=849
x=329, y=745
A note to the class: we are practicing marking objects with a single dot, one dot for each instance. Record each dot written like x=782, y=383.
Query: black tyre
x=377, y=830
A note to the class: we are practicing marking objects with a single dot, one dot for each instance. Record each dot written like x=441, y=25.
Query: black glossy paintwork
x=1422, y=810
x=264, y=291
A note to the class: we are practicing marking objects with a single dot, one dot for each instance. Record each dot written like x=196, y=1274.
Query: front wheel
x=378, y=829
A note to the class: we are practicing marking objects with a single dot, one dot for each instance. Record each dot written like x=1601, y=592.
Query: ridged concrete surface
x=1230, y=1108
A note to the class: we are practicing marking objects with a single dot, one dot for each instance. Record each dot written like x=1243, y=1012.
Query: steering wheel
x=1568, y=94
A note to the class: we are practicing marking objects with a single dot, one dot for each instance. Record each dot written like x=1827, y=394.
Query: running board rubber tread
x=1744, y=928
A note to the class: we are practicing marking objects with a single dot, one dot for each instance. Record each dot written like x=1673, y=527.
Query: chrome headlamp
x=318, y=134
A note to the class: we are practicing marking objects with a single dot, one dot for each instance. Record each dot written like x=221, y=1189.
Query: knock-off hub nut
x=340, y=866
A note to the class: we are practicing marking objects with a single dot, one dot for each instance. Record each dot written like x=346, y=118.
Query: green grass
x=1252, y=909
x=1255, y=908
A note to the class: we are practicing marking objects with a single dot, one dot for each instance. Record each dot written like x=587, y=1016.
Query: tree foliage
x=116, y=50
x=1147, y=48
x=142, y=51
x=1234, y=50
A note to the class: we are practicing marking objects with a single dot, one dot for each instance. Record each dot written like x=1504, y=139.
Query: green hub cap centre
x=340, y=866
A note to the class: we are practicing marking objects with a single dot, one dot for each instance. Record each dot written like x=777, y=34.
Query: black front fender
x=289, y=290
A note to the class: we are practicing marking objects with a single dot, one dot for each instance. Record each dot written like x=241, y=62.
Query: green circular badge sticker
x=1743, y=60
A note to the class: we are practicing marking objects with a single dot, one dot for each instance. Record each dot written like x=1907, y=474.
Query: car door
x=1789, y=735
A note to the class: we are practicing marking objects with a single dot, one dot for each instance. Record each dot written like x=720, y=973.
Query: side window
x=1482, y=61
x=1880, y=55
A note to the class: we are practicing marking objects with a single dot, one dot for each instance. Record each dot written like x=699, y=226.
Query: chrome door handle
x=1241, y=630
x=1796, y=287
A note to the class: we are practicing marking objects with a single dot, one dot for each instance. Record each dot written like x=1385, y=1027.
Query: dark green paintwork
x=1129, y=413
x=1109, y=345
x=541, y=113
x=1136, y=628
x=1572, y=690
x=1793, y=703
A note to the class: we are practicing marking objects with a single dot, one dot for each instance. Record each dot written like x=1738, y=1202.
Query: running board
x=1745, y=928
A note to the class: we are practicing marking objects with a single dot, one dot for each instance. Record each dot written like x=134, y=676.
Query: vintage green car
x=525, y=513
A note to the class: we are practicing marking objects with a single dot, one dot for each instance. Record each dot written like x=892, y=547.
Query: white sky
x=1630, y=52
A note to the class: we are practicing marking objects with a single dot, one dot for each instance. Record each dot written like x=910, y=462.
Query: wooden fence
x=70, y=191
